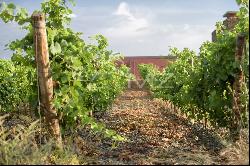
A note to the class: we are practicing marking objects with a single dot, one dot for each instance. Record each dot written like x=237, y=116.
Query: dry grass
x=238, y=153
x=19, y=145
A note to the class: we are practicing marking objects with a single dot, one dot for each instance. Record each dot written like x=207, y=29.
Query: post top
x=230, y=14
x=38, y=20
x=37, y=16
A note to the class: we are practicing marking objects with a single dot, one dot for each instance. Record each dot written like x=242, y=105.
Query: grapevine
x=201, y=85
x=85, y=75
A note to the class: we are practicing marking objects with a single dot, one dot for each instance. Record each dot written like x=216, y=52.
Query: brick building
x=159, y=61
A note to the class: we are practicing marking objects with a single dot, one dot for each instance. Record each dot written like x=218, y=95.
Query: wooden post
x=237, y=87
x=44, y=76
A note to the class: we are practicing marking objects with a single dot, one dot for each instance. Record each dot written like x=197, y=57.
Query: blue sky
x=137, y=27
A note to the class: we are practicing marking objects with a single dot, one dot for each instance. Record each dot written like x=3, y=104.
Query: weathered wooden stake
x=44, y=76
x=237, y=87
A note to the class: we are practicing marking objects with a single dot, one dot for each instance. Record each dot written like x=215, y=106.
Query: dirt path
x=156, y=135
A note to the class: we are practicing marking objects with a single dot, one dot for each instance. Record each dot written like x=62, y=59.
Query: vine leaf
x=55, y=49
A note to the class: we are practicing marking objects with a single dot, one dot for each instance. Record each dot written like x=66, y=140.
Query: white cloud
x=190, y=36
x=159, y=37
x=128, y=24
x=136, y=30
x=186, y=27
x=124, y=10
x=178, y=11
x=140, y=40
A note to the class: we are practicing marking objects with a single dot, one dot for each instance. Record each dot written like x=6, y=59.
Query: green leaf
x=23, y=12
x=109, y=133
x=76, y=62
x=64, y=43
x=52, y=49
x=11, y=6
x=238, y=2
x=51, y=34
x=58, y=48
x=57, y=104
x=64, y=78
x=55, y=49
x=118, y=138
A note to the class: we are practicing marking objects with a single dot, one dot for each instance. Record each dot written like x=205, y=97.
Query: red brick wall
x=159, y=61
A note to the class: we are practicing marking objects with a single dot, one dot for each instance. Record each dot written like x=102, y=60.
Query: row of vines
x=202, y=85
x=85, y=75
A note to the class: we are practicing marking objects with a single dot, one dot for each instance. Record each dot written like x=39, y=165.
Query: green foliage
x=9, y=12
x=86, y=74
x=202, y=85
x=150, y=74
x=16, y=86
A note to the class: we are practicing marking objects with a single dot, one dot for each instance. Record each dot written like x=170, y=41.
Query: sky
x=136, y=27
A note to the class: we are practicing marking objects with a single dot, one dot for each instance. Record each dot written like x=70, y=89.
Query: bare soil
x=156, y=135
